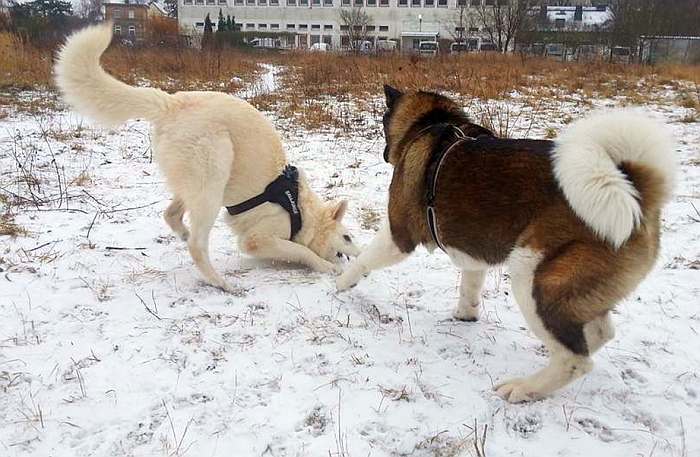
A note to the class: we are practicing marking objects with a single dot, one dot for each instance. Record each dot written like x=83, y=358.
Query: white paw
x=468, y=313
x=517, y=390
x=325, y=266
x=347, y=280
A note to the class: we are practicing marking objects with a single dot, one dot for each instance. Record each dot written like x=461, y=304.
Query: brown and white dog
x=576, y=220
x=215, y=150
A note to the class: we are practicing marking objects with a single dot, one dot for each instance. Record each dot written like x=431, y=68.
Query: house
x=572, y=18
x=130, y=17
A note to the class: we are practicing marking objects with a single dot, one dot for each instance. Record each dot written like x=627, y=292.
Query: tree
x=354, y=22
x=171, y=7
x=229, y=23
x=461, y=22
x=221, y=24
x=502, y=20
x=208, y=32
x=90, y=10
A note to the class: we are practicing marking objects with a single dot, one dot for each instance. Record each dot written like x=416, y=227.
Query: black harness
x=432, y=173
x=283, y=191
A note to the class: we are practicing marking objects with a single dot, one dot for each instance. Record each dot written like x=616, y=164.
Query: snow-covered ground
x=110, y=345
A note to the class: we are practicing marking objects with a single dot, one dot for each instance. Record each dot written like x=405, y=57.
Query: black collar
x=283, y=191
x=432, y=174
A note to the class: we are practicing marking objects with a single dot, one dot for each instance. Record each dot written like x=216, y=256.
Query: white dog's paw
x=517, y=390
x=469, y=313
x=324, y=266
x=347, y=280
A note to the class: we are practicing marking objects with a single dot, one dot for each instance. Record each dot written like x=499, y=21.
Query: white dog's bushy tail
x=94, y=93
x=589, y=164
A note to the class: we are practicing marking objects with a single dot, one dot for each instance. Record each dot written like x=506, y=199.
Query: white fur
x=94, y=93
x=214, y=150
x=585, y=164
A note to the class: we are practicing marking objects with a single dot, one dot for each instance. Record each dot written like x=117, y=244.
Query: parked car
x=555, y=51
x=428, y=48
x=386, y=46
x=265, y=43
x=320, y=47
x=363, y=47
x=621, y=54
x=488, y=46
x=586, y=53
x=456, y=48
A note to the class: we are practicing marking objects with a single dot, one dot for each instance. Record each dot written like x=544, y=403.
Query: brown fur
x=496, y=194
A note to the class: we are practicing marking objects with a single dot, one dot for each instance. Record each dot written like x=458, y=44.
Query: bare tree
x=462, y=21
x=354, y=22
x=502, y=19
x=90, y=10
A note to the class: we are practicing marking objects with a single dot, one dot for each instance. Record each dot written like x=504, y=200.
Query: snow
x=110, y=344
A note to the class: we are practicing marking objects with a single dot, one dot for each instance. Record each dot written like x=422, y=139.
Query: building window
x=327, y=3
x=315, y=26
x=131, y=14
x=461, y=2
x=274, y=2
x=118, y=30
x=371, y=2
x=117, y=13
x=476, y=3
x=442, y=3
x=250, y=26
x=303, y=2
x=383, y=28
x=403, y=2
x=262, y=26
x=415, y=3
x=210, y=2
x=328, y=27
x=328, y=39
x=429, y=3
x=358, y=2
x=275, y=26
x=291, y=2
x=459, y=29
x=345, y=41
x=291, y=26
x=132, y=31
x=383, y=2
x=222, y=2
x=199, y=24
x=187, y=2
x=315, y=39
x=357, y=28
x=238, y=2
x=370, y=28
x=250, y=2
x=316, y=2
x=473, y=29
x=489, y=2
x=345, y=3
x=199, y=2
x=262, y=2
x=559, y=23
x=303, y=26
x=344, y=28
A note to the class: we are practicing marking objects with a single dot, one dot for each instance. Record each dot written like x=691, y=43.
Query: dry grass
x=23, y=66
x=8, y=227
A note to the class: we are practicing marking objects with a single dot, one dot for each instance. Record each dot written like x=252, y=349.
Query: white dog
x=215, y=151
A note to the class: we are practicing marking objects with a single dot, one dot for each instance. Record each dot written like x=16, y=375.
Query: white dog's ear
x=338, y=209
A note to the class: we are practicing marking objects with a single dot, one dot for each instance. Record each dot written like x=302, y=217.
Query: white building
x=577, y=17
x=313, y=21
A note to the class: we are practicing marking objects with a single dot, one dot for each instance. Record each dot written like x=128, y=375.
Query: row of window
x=117, y=13
x=304, y=27
x=118, y=30
x=369, y=3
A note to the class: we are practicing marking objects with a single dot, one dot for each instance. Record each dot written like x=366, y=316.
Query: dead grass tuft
x=8, y=227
